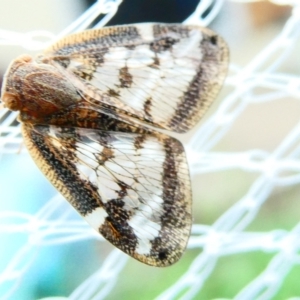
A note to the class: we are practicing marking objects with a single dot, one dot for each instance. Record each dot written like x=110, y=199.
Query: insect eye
x=11, y=101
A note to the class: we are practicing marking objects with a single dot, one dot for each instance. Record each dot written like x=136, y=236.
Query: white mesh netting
x=245, y=156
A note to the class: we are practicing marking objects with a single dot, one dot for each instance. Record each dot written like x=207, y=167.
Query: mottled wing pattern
x=133, y=188
x=165, y=75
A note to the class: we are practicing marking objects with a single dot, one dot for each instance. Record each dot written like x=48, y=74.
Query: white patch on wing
x=144, y=228
x=74, y=64
x=87, y=163
x=146, y=31
x=189, y=46
x=89, y=168
x=107, y=75
x=54, y=132
x=96, y=218
x=140, y=57
x=175, y=79
x=145, y=197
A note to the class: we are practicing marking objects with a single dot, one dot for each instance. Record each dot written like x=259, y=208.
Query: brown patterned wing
x=165, y=75
x=132, y=188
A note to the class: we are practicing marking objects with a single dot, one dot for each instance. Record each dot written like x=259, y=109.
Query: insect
x=92, y=107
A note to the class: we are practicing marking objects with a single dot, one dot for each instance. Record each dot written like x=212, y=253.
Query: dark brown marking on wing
x=113, y=93
x=91, y=39
x=119, y=233
x=63, y=174
x=177, y=211
x=155, y=64
x=185, y=109
x=163, y=44
x=123, y=189
x=197, y=97
x=168, y=29
x=139, y=140
x=147, y=108
x=106, y=155
x=173, y=188
x=125, y=78
x=116, y=212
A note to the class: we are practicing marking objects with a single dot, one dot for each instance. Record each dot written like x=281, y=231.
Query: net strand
x=197, y=16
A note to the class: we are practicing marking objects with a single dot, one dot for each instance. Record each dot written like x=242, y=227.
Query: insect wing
x=132, y=188
x=165, y=75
